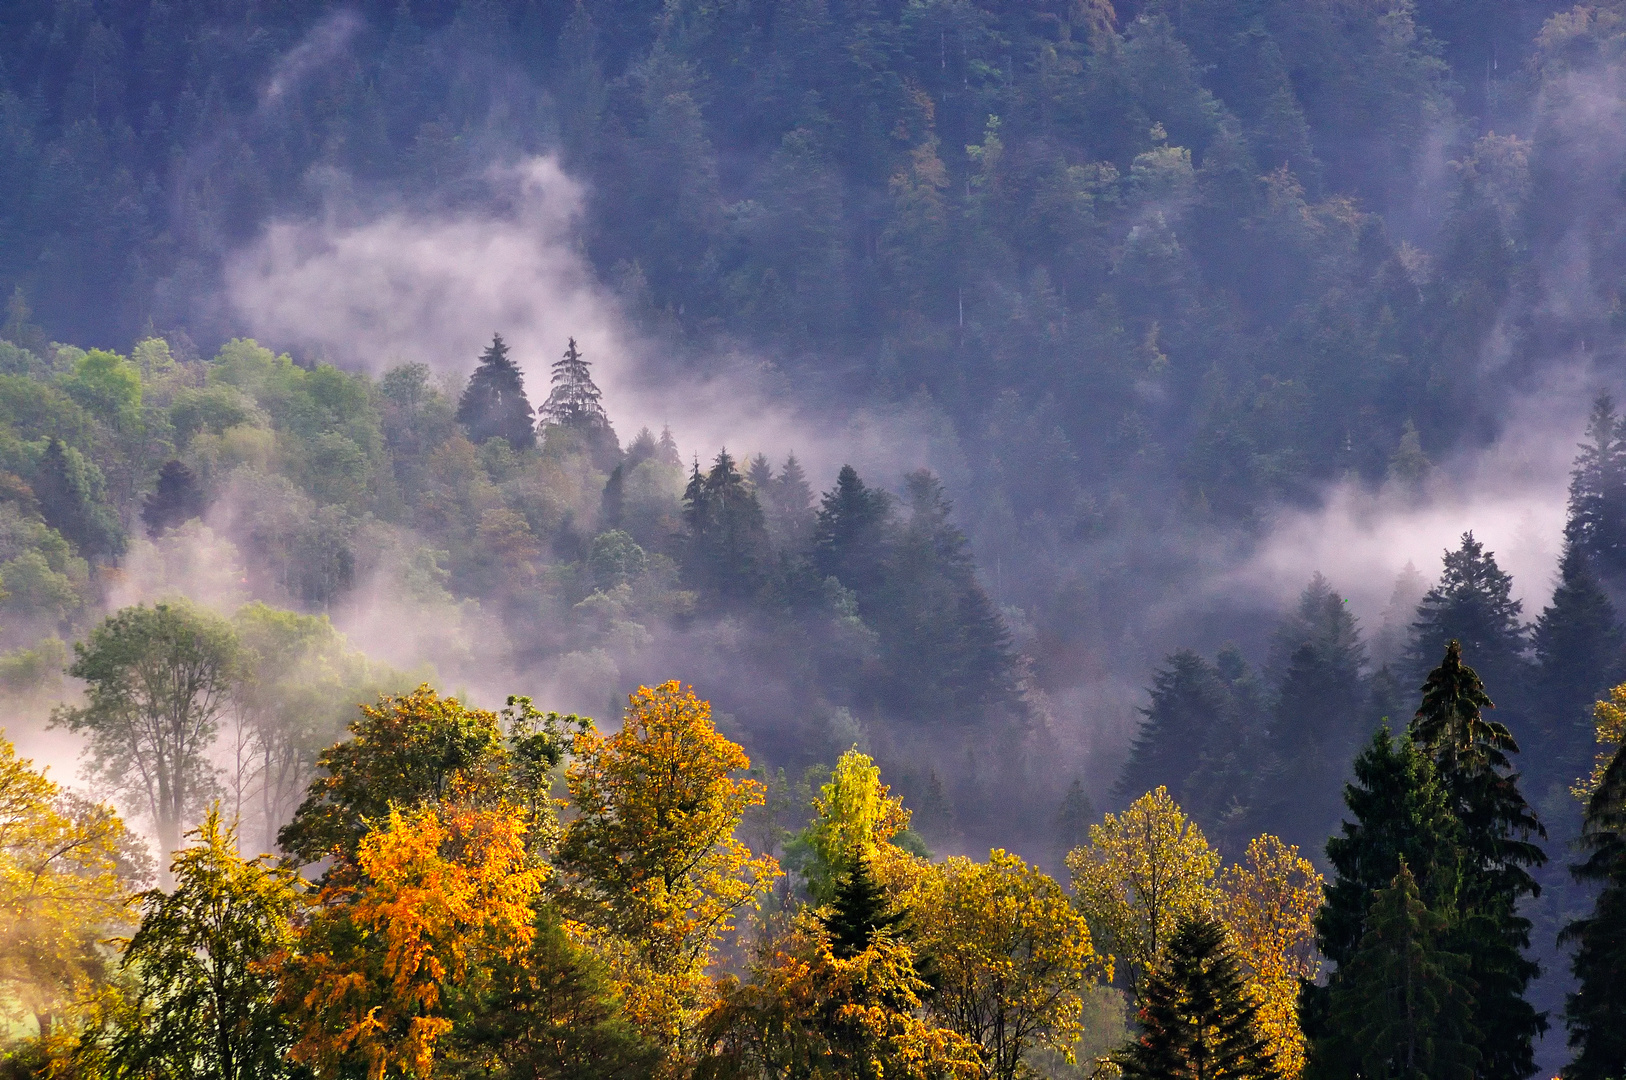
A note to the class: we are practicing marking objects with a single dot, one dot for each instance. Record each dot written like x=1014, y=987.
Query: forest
x=615, y=539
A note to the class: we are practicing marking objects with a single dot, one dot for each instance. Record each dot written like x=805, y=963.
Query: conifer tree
x=1473, y=604
x=641, y=449
x=1188, y=700
x=1197, y=1018
x=849, y=534
x=494, y=404
x=1471, y=758
x=858, y=911
x=1578, y=649
x=666, y=451
x=1401, y=1007
x=613, y=499
x=789, y=504
x=1597, y=504
x=1595, y=1012
x=727, y=545
x=176, y=500
x=574, y=404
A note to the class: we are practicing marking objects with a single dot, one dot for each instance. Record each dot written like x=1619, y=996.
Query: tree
x=71, y=500
x=573, y=404
x=177, y=499
x=849, y=533
x=1010, y=957
x=1496, y=827
x=650, y=860
x=1197, y=1018
x=1579, y=656
x=431, y=901
x=855, y=816
x=1143, y=872
x=726, y=554
x=858, y=910
x=494, y=404
x=1596, y=525
x=159, y=679
x=1402, y=1007
x=788, y=500
x=1270, y=899
x=1595, y=1012
x=64, y=882
x=202, y=963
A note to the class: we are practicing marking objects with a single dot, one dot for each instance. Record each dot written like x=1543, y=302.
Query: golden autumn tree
x=1269, y=903
x=1610, y=719
x=855, y=816
x=436, y=897
x=62, y=889
x=1141, y=874
x=650, y=863
x=1011, y=958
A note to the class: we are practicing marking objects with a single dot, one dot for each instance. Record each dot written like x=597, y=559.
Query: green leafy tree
x=1595, y=1011
x=70, y=496
x=158, y=680
x=494, y=404
x=202, y=960
x=1197, y=1018
x=1496, y=842
x=1402, y=1007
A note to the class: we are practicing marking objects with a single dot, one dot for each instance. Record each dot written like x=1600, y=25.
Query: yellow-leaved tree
x=855, y=816
x=1269, y=905
x=63, y=887
x=1142, y=873
x=1011, y=958
x=435, y=898
x=1610, y=718
x=650, y=866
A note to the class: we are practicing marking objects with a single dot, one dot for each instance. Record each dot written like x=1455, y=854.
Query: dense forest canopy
x=991, y=396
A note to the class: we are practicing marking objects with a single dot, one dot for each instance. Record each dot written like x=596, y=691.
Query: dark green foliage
x=849, y=534
x=727, y=551
x=574, y=404
x=1596, y=527
x=1402, y=1007
x=1197, y=1017
x=69, y=492
x=1579, y=656
x=176, y=500
x=1595, y=1012
x=614, y=497
x=494, y=404
x=1073, y=819
x=858, y=911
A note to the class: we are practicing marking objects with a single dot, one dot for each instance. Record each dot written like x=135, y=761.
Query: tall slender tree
x=1595, y=1012
x=574, y=403
x=1597, y=505
x=726, y=554
x=494, y=404
x=1579, y=656
x=849, y=534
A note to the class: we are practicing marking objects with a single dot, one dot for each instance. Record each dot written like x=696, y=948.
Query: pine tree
x=1595, y=1012
x=1188, y=701
x=849, y=534
x=858, y=911
x=1597, y=504
x=1197, y=1018
x=1470, y=755
x=494, y=404
x=1074, y=818
x=1473, y=604
x=727, y=545
x=789, y=503
x=574, y=405
x=666, y=450
x=759, y=474
x=641, y=449
x=177, y=499
x=1578, y=648
x=1401, y=1007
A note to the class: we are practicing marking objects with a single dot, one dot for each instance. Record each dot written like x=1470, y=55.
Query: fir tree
x=1197, y=1017
x=789, y=504
x=1597, y=504
x=1471, y=758
x=1578, y=649
x=574, y=405
x=1473, y=604
x=176, y=499
x=1595, y=1012
x=641, y=449
x=494, y=404
x=1074, y=818
x=666, y=451
x=1401, y=1007
x=613, y=498
x=849, y=534
x=727, y=546
x=759, y=474
x=858, y=911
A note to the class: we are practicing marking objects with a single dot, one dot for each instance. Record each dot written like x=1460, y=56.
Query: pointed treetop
x=494, y=404
x=574, y=399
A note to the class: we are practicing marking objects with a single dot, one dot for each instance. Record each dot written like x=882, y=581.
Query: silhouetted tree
x=494, y=404
x=1595, y=1012
x=727, y=546
x=175, y=500
x=1597, y=506
x=1578, y=649
x=858, y=912
x=849, y=535
x=574, y=404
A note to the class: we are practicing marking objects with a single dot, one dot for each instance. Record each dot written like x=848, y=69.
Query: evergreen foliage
x=68, y=491
x=1596, y=527
x=849, y=533
x=727, y=547
x=574, y=404
x=176, y=500
x=1197, y=1017
x=1595, y=1012
x=858, y=911
x=494, y=404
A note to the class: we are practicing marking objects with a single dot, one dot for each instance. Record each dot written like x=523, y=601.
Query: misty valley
x=813, y=540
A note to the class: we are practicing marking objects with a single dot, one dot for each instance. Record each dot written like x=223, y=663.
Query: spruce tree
x=494, y=404
x=574, y=404
x=641, y=449
x=1471, y=757
x=1578, y=649
x=1188, y=701
x=613, y=499
x=849, y=534
x=1401, y=1007
x=1595, y=1012
x=726, y=554
x=858, y=911
x=1597, y=503
x=666, y=451
x=176, y=500
x=1197, y=1017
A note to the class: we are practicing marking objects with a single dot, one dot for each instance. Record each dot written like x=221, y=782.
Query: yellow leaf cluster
x=436, y=894
x=1610, y=718
x=1142, y=872
x=1269, y=905
x=1011, y=956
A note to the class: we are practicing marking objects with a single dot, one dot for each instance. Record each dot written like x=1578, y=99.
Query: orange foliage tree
x=435, y=898
x=650, y=865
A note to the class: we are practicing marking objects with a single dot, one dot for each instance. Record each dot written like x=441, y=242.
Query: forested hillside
x=1016, y=363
